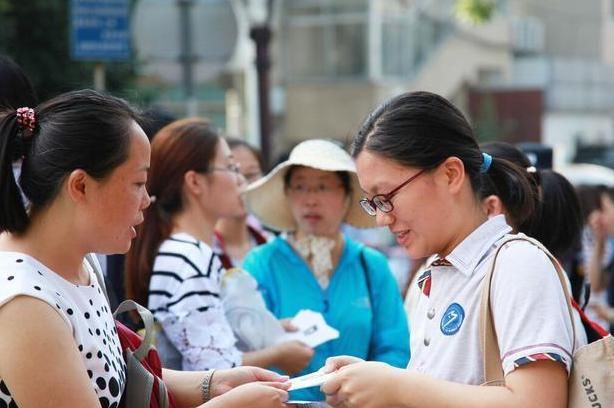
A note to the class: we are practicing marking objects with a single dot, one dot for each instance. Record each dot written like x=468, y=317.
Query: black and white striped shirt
x=184, y=296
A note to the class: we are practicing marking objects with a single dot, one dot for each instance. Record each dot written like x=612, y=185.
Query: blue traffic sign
x=100, y=30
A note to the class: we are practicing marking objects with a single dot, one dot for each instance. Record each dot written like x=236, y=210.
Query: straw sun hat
x=267, y=199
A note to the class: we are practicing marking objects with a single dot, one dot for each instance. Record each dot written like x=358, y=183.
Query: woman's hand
x=287, y=325
x=225, y=380
x=254, y=395
x=292, y=356
x=366, y=385
x=335, y=363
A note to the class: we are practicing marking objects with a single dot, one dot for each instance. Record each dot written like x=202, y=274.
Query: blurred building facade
x=525, y=75
x=537, y=70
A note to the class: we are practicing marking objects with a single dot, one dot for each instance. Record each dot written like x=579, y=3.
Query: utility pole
x=186, y=58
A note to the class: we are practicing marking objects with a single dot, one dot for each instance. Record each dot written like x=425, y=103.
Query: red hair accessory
x=26, y=120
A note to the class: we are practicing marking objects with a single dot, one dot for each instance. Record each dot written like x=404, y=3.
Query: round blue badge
x=452, y=319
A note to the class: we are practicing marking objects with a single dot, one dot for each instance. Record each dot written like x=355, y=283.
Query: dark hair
x=154, y=119
x=422, y=129
x=181, y=146
x=590, y=199
x=234, y=142
x=344, y=177
x=77, y=130
x=558, y=222
x=512, y=196
x=608, y=192
x=16, y=90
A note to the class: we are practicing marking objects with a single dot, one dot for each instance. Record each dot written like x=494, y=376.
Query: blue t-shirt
x=372, y=323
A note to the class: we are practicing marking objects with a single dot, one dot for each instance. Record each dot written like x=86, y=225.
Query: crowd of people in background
x=172, y=207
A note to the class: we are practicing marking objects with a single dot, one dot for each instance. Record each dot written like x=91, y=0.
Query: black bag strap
x=367, y=274
x=365, y=271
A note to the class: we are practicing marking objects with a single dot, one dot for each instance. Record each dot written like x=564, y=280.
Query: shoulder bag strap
x=493, y=374
x=148, y=322
x=365, y=270
x=92, y=261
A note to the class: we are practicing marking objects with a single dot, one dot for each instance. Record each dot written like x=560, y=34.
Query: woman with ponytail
x=423, y=173
x=84, y=163
x=84, y=168
x=172, y=268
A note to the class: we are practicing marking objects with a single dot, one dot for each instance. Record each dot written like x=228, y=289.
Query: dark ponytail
x=513, y=197
x=422, y=129
x=13, y=214
x=84, y=130
x=517, y=192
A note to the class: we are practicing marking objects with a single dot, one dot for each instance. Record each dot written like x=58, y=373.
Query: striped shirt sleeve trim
x=537, y=357
x=541, y=345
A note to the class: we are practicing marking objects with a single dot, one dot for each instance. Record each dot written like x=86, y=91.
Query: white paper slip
x=310, y=380
x=312, y=329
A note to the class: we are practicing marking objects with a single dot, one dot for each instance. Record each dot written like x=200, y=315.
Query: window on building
x=326, y=38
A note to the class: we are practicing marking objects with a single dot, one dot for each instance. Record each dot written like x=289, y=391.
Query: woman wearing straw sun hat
x=314, y=266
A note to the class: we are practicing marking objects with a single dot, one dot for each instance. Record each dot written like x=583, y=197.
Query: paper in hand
x=312, y=329
x=314, y=379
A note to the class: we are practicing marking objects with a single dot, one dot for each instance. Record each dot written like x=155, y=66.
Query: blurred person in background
x=16, y=89
x=600, y=265
x=314, y=266
x=236, y=236
x=172, y=267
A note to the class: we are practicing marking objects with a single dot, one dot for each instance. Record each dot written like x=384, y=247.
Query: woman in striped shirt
x=172, y=267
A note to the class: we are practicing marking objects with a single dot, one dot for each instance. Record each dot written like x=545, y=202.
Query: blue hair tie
x=486, y=162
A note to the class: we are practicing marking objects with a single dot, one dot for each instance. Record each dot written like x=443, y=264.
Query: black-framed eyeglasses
x=382, y=201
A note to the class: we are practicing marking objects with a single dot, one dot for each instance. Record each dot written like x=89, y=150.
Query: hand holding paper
x=312, y=329
x=314, y=379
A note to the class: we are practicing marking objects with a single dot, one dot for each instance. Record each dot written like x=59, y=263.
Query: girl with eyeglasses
x=440, y=214
x=194, y=181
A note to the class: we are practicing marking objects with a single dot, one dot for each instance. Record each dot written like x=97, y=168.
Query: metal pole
x=261, y=35
x=186, y=57
x=99, y=76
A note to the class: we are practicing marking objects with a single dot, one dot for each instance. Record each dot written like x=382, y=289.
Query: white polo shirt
x=528, y=305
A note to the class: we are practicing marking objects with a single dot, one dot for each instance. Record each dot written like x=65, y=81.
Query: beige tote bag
x=591, y=383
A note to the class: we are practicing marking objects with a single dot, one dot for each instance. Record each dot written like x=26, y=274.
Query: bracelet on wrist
x=205, y=386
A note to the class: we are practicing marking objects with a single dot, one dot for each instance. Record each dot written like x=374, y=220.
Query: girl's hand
x=366, y=385
x=335, y=363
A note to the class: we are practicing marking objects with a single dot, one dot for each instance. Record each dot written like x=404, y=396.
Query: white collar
x=468, y=254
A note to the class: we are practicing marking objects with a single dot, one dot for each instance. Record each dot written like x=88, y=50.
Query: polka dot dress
x=84, y=308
